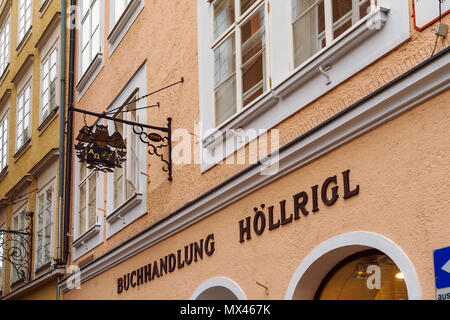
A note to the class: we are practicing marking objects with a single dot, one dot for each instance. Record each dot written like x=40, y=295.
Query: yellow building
x=30, y=101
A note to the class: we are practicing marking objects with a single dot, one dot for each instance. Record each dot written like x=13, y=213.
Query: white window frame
x=46, y=52
x=20, y=96
x=43, y=192
x=134, y=207
x=86, y=182
x=5, y=45
x=4, y=144
x=235, y=28
x=128, y=135
x=328, y=33
x=85, y=77
x=93, y=236
x=2, y=263
x=21, y=225
x=291, y=89
x=27, y=18
x=115, y=15
x=119, y=25
x=88, y=18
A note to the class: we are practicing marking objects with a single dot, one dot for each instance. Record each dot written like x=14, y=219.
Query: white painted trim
x=51, y=44
x=123, y=24
x=91, y=237
x=361, y=238
x=220, y=282
x=85, y=79
x=347, y=54
x=396, y=98
x=134, y=207
x=47, y=185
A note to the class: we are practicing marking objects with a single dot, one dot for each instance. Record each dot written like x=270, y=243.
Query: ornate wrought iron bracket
x=16, y=248
x=155, y=141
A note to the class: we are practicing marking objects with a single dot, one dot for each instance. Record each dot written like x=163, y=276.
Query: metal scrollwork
x=151, y=139
x=16, y=248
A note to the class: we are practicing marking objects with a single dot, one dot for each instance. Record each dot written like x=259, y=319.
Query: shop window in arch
x=367, y=275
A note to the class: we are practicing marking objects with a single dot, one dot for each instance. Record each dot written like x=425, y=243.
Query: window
x=119, y=8
x=18, y=224
x=240, y=59
x=316, y=23
x=4, y=47
x=367, y=275
x=90, y=32
x=23, y=117
x=3, y=143
x=2, y=265
x=87, y=209
x=126, y=178
x=44, y=225
x=25, y=16
x=49, y=80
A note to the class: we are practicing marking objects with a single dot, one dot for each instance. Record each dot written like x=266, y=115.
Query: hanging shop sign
x=101, y=151
x=104, y=152
x=193, y=252
x=266, y=217
x=16, y=248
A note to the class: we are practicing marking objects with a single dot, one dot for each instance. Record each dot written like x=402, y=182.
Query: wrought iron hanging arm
x=16, y=248
x=150, y=139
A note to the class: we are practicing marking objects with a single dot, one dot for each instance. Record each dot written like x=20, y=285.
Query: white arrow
x=446, y=266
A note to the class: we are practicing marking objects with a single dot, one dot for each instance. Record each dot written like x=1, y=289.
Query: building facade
x=309, y=157
x=30, y=109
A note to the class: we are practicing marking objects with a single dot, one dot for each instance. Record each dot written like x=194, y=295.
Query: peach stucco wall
x=402, y=170
x=394, y=165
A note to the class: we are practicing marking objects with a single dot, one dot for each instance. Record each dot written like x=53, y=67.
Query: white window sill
x=330, y=54
x=23, y=40
x=4, y=73
x=3, y=173
x=85, y=237
x=90, y=73
x=309, y=81
x=48, y=120
x=124, y=23
x=23, y=148
x=122, y=216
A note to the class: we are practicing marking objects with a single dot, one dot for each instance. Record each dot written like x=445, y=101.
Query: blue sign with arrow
x=442, y=267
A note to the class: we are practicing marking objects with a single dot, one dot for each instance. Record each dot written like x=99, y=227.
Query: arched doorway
x=219, y=289
x=331, y=269
x=366, y=275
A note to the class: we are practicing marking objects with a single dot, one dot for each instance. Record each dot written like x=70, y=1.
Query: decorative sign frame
x=17, y=248
x=426, y=12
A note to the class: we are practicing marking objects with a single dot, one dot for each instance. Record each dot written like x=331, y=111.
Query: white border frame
x=219, y=282
x=49, y=184
x=27, y=81
x=292, y=90
x=360, y=238
x=137, y=82
x=52, y=43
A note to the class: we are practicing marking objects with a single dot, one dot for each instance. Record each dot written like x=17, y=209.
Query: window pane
x=118, y=187
x=224, y=60
x=342, y=16
x=253, y=57
x=223, y=16
x=309, y=29
x=82, y=209
x=246, y=4
x=92, y=210
x=225, y=100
